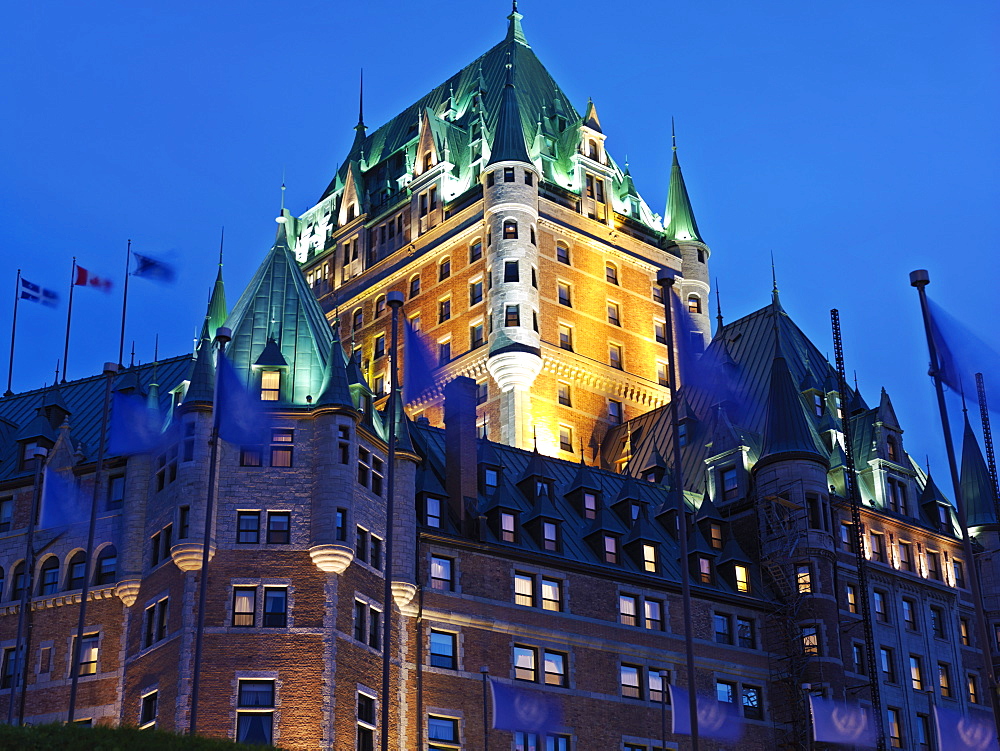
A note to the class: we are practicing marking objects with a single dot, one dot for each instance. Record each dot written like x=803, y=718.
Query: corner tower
x=682, y=236
x=510, y=211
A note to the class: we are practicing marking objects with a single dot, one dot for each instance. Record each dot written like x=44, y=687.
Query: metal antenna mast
x=991, y=460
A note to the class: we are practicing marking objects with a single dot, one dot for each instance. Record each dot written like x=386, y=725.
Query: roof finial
x=282, y=212
x=534, y=436
x=718, y=306
x=222, y=240
x=673, y=135
x=774, y=282
x=131, y=362
x=514, y=7
x=57, y=372
x=361, y=100
x=583, y=459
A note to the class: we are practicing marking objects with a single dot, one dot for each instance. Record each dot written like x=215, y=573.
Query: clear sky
x=855, y=140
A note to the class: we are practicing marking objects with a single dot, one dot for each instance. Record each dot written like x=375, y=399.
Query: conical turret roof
x=202, y=378
x=336, y=389
x=508, y=138
x=217, y=311
x=787, y=429
x=976, y=483
x=678, y=220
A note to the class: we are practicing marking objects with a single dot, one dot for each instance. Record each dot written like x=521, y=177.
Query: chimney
x=461, y=470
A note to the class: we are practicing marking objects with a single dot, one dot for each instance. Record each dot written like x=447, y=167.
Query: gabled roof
x=278, y=304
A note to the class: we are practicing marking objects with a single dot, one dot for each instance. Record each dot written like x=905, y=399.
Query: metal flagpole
x=486, y=728
x=664, y=676
x=13, y=331
x=395, y=300
x=20, y=650
x=222, y=336
x=121, y=340
x=920, y=279
x=69, y=317
x=666, y=283
x=110, y=369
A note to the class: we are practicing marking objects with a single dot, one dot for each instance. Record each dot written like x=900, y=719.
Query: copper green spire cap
x=202, y=376
x=217, y=312
x=976, y=483
x=678, y=220
x=508, y=138
x=514, y=31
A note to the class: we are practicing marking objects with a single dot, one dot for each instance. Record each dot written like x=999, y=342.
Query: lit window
x=610, y=549
x=810, y=640
x=524, y=590
x=554, y=668
x=443, y=651
x=255, y=716
x=972, y=683
x=916, y=674
x=281, y=449
x=550, y=536
x=742, y=578
x=963, y=632
x=88, y=654
x=432, y=512
x=525, y=663
x=442, y=576
x=653, y=611
x=627, y=612
x=244, y=606
x=631, y=686
x=662, y=376
x=704, y=570
x=509, y=229
x=803, y=579
x=895, y=728
x=551, y=594
x=715, y=535
x=270, y=385
x=589, y=505
x=944, y=678
x=657, y=690
x=649, y=558
x=507, y=531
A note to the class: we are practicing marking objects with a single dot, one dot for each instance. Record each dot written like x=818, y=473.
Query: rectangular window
x=279, y=525
x=753, y=707
x=630, y=681
x=432, y=512
x=662, y=376
x=554, y=668
x=442, y=730
x=628, y=612
x=649, y=558
x=657, y=685
x=937, y=623
x=475, y=292
x=475, y=251
x=511, y=272
x=611, y=273
x=616, y=413
x=562, y=253
x=443, y=649
x=275, y=607
x=564, y=294
x=566, y=438
x=877, y=547
x=725, y=691
x=887, y=665
x=340, y=525
x=723, y=628
x=614, y=314
x=916, y=673
x=508, y=174
x=550, y=530
x=944, y=678
x=551, y=594
x=906, y=556
x=507, y=529
x=742, y=578
x=379, y=350
x=524, y=590
x=366, y=722
x=476, y=336
x=444, y=269
x=745, y=633
x=803, y=578
x=615, y=356
x=909, y=614
x=881, y=613
x=444, y=310
x=933, y=565
x=705, y=570
x=244, y=606
x=248, y=527
x=847, y=536
x=895, y=728
x=964, y=634
x=270, y=385
x=116, y=492
x=147, y=710
x=810, y=640
x=6, y=514
x=653, y=612
x=526, y=741
x=610, y=549
x=442, y=576
x=589, y=505
x=730, y=483
x=482, y=392
x=565, y=337
x=376, y=553
x=972, y=684
x=852, y=598
x=88, y=654
x=959, y=569
x=512, y=315
x=255, y=716
x=525, y=663
x=859, y=660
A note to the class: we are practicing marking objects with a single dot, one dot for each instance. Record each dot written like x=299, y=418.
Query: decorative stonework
x=127, y=590
x=187, y=555
x=402, y=593
x=333, y=559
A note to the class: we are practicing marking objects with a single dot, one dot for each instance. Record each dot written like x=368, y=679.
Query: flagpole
x=121, y=340
x=395, y=300
x=222, y=336
x=69, y=317
x=21, y=651
x=13, y=331
x=664, y=676
x=486, y=728
x=666, y=283
x=920, y=279
x=110, y=369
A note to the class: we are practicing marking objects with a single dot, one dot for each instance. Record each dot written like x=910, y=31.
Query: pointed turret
x=508, y=137
x=976, y=483
x=336, y=387
x=278, y=324
x=787, y=430
x=590, y=119
x=678, y=220
x=217, y=311
x=202, y=378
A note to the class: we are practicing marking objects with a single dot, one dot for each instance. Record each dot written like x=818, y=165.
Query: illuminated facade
x=490, y=204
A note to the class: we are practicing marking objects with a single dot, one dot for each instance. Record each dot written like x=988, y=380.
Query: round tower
x=510, y=193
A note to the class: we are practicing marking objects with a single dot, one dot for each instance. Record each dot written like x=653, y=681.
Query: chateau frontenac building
x=534, y=534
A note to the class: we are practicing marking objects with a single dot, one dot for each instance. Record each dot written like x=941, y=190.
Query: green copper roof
x=202, y=374
x=217, y=312
x=976, y=483
x=508, y=138
x=278, y=305
x=336, y=391
x=678, y=220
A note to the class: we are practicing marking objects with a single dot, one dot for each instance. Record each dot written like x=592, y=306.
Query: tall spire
x=360, y=129
x=217, y=311
x=775, y=301
x=718, y=308
x=678, y=220
x=508, y=139
x=514, y=31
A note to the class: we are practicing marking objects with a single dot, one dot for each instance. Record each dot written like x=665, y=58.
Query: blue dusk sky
x=856, y=141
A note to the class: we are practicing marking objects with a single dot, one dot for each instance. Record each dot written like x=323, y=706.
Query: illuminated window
x=963, y=632
x=614, y=314
x=550, y=536
x=507, y=530
x=895, y=728
x=705, y=570
x=653, y=611
x=742, y=578
x=554, y=668
x=255, y=716
x=649, y=558
x=810, y=640
x=270, y=385
x=630, y=683
x=662, y=376
x=551, y=594
x=944, y=678
x=443, y=649
x=525, y=663
x=589, y=505
x=916, y=673
x=628, y=613
x=244, y=606
x=442, y=573
x=657, y=690
x=524, y=590
x=725, y=691
x=281, y=449
x=715, y=535
x=803, y=578
x=972, y=684
x=509, y=229
x=610, y=549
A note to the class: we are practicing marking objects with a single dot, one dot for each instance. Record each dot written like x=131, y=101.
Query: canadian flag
x=86, y=279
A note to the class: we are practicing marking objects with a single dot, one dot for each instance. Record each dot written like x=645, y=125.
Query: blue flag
x=242, y=418
x=418, y=375
x=958, y=733
x=35, y=293
x=962, y=354
x=135, y=428
x=839, y=722
x=716, y=719
x=152, y=268
x=530, y=710
x=62, y=501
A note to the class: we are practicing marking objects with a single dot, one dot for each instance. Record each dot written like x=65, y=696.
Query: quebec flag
x=62, y=501
x=839, y=722
x=716, y=719
x=958, y=733
x=516, y=708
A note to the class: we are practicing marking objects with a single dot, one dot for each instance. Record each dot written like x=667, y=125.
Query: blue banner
x=962, y=354
x=530, y=710
x=242, y=418
x=958, y=733
x=839, y=722
x=135, y=428
x=716, y=719
x=62, y=501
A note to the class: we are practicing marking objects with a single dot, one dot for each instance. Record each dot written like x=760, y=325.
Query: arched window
x=509, y=229
x=380, y=306
x=444, y=269
x=106, y=571
x=414, y=286
x=562, y=253
x=358, y=319
x=48, y=576
x=76, y=571
x=694, y=304
x=17, y=582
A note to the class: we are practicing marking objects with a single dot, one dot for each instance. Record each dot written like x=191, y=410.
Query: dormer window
x=428, y=159
x=610, y=549
x=508, y=532
x=742, y=578
x=818, y=405
x=592, y=151
x=28, y=459
x=649, y=558
x=589, y=505
x=715, y=536
x=550, y=536
x=432, y=512
x=704, y=569
x=270, y=385
x=730, y=483
x=541, y=487
x=892, y=450
x=682, y=434
x=490, y=478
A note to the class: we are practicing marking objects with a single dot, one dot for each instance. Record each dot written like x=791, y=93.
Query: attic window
x=550, y=536
x=592, y=151
x=28, y=458
x=427, y=160
x=649, y=558
x=610, y=549
x=508, y=174
x=694, y=304
x=270, y=385
x=891, y=449
x=730, y=483
x=715, y=534
x=589, y=505
x=818, y=404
